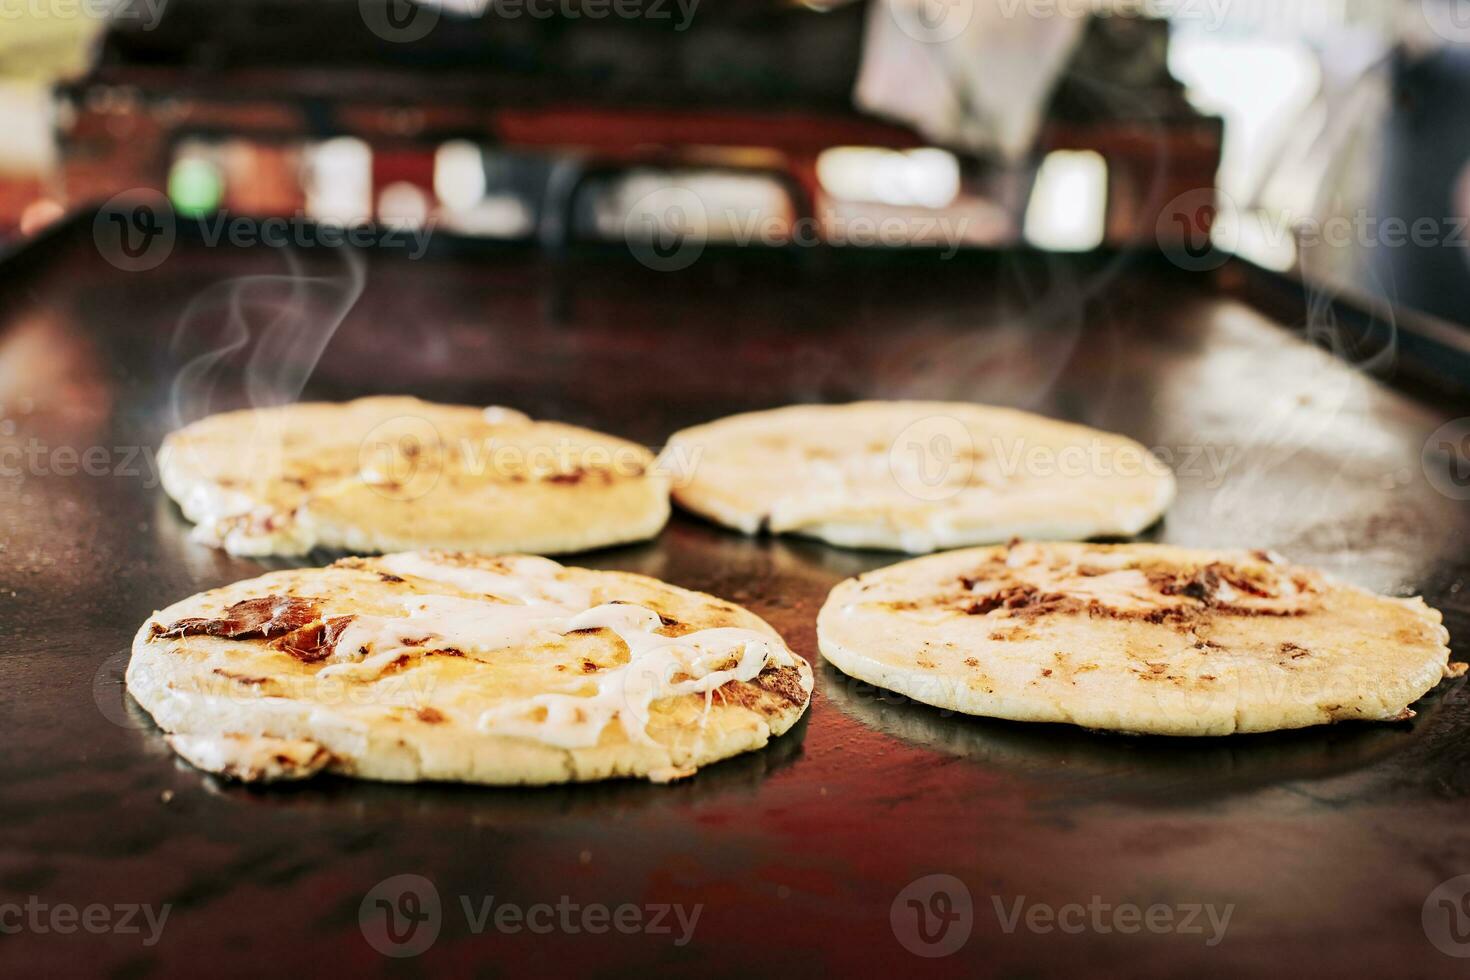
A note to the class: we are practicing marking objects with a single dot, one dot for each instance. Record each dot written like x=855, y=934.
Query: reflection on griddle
x=501, y=806
x=1070, y=765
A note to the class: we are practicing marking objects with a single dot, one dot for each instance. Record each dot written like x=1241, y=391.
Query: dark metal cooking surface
x=1327, y=843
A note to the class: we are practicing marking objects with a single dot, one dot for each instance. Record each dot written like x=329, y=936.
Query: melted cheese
x=657, y=667
x=500, y=415
x=535, y=580
x=252, y=758
x=1113, y=580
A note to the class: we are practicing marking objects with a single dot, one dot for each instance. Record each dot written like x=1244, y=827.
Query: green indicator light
x=195, y=187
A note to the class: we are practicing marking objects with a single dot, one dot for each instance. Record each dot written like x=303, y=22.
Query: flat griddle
x=1327, y=842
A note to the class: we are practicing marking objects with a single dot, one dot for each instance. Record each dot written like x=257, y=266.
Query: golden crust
x=917, y=476
x=234, y=695
x=386, y=474
x=1135, y=638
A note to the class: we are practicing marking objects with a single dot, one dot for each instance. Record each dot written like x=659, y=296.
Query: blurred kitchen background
x=1290, y=131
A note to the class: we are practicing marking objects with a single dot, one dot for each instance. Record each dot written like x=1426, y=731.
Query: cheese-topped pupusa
x=918, y=476
x=1135, y=638
x=448, y=666
x=393, y=473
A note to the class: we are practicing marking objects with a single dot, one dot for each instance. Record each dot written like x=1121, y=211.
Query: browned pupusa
x=917, y=476
x=1138, y=638
x=393, y=473
x=452, y=666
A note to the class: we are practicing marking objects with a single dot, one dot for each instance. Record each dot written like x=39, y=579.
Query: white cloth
x=968, y=74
